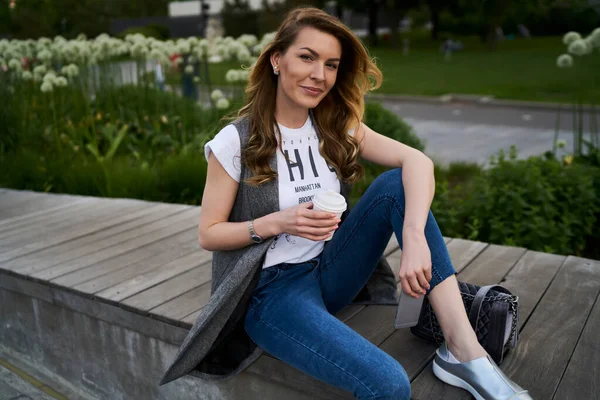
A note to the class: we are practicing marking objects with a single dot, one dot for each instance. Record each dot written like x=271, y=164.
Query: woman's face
x=308, y=69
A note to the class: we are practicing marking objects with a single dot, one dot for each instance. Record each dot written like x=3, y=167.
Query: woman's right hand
x=303, y=221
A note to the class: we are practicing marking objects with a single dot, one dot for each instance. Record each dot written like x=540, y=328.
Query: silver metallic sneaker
x=480, y=377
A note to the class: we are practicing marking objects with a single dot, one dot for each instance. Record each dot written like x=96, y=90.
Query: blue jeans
x=290, y=314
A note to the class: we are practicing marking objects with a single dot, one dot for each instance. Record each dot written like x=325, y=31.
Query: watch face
x=256, y=239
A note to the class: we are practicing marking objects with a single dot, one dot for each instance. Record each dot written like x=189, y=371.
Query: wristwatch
x=253, y=235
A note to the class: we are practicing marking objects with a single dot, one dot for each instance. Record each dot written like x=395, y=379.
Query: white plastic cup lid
x=329, y=200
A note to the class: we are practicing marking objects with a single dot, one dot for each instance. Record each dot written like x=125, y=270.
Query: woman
x=278, y=279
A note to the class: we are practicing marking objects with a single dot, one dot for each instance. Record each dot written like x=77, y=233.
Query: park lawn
x=523, y=70
x=519, y=69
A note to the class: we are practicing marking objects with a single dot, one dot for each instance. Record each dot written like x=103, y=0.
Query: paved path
x=16, y=384
x=462, y=131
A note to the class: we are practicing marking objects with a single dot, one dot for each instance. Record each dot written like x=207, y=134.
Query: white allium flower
x=570, y=37
x=183, y=46
x=40, y=69
x=61, y=81
x=561, y=143
x=244, y=75
x=51, y=78
x=189, y=69
x=44, y=55
x=179, y=61
x=595, y=38
x=216, y=95
x=222, y=103
x=232, y=76
x=243, y=55
x=564, y=61
x=156, y=54
x=215, y=59
x=248, y=40
x=14, y=64
x=192, y=60
x=104, y=36
x=196, y=79
x=71, y=70
x=257, y=49
x=27, y=75
x=81, y=37
x=578, y=47
x=589, y=44
x=46, y=87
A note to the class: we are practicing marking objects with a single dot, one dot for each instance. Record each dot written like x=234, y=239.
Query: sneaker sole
x=453, y=380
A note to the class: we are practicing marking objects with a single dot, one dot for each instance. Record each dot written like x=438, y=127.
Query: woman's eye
x=332, y=66
x=305, y=57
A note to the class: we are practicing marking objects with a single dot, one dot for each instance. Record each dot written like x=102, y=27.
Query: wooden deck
x=143, y=258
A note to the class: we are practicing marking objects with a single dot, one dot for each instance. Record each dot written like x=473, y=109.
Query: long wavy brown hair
x=340, y=110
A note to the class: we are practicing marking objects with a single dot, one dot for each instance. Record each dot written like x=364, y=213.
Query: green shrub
x=538, y=203
x=162, y=30
x=239, y=18
x=388, y=124
x=147, y=31
x=453, y=187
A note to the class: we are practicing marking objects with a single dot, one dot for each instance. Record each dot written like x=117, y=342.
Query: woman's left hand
x=415, y=264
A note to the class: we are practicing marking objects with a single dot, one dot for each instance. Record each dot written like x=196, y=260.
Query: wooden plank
x=63, y=224
x=50, y=267
x=188, y=321
x=33, y=203
x=139, y=261
x=88, y=228
x=462, y=252
x=22, y=222
x=32, y=264
x=168, y=290
x=36, y=215
x=51, y=220
x=349, y=311
x=529, y=279
x=375, y=323
x=492, y=264
x=107, y=260
x=582, y=377
x=550, y=336
x=15, y=198
x=275, y=370
x=184, y=304
x=145, y=280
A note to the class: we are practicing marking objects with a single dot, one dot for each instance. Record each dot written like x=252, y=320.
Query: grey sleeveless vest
x=217, y=345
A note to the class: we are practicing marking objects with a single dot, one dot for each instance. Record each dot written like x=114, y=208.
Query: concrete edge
x=145, y=325
x=479, y=100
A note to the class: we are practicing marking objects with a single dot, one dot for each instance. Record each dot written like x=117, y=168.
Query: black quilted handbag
x=494, y=315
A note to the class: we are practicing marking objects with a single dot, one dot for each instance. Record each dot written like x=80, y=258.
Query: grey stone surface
x=105, y=361
x=7, y=391
x=12, y=386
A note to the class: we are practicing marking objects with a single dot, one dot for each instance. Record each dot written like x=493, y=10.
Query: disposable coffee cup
x=330, y=201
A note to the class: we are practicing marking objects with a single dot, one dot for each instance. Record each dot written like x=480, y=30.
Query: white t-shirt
x=306, y=174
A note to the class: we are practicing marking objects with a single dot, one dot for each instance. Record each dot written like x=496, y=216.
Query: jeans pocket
x=267, y=275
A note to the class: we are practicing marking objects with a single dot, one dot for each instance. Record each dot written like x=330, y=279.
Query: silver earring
x=276, y=70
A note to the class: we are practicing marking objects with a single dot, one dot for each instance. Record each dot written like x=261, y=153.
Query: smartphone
x=408, y=311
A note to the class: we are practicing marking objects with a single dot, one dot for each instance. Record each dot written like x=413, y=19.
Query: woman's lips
x=311, y=91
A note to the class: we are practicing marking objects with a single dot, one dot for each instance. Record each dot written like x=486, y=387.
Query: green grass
x=519, y=69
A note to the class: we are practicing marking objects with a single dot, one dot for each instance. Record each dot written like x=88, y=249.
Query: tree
x=396, y=10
